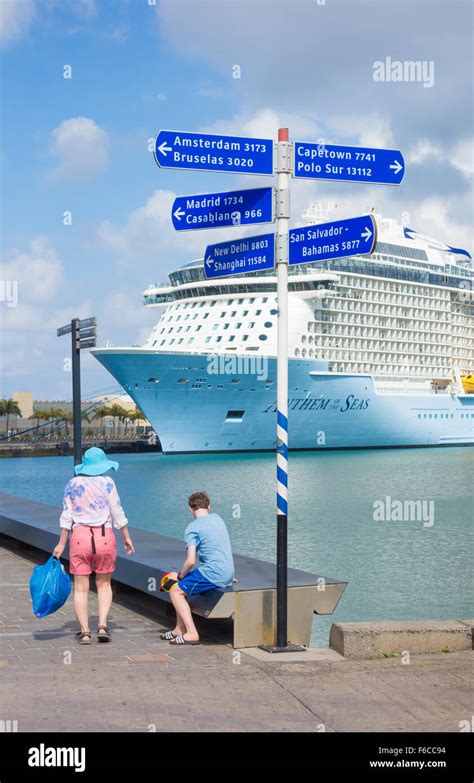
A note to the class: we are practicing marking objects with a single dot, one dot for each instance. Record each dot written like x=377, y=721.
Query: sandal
x=84, y=637
x=180, y=640
x=167, y=636
x=103, y=637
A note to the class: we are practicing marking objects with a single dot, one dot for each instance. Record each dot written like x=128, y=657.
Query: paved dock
x=139, y=683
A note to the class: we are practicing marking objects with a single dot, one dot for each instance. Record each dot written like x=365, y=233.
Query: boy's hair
x=199, y=500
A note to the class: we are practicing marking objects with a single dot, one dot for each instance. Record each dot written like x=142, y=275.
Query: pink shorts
x=82, y=558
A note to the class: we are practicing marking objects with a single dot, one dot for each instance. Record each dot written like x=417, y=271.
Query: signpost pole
x=283, y=215
x=76, y=389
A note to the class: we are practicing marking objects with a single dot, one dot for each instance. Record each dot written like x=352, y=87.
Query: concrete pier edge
x=390, y=638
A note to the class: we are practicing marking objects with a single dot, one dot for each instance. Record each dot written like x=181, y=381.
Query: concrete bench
x=251, y=602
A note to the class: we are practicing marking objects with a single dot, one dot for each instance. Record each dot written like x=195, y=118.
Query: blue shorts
x=195, y=583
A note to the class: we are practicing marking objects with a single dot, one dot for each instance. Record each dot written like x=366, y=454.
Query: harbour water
x=401, y=567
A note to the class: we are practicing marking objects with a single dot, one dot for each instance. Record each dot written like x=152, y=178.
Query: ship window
x=218, y=339
x=208, y=339
x=245, y=312
x=237, y=326
x=235, y=415
x=232, y=337
x=153, y=380
x=191, y=340
x=226, y=326
x=265, y=299
x=251, y=324
x=258, y=312
x=182, y=380
x=234, y=312
x=180, y=340
x=222, y=314
x=251, y=348
x=268, y=324
x=273, y=312
x=245, y=337
x=206, y=315
x=235, y=380
x=262, y=337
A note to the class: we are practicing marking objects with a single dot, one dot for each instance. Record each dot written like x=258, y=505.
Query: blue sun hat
x=95, y=463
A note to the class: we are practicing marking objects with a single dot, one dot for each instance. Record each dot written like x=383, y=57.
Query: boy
x=207, y=537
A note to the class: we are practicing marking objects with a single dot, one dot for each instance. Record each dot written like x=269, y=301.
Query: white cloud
x=461, y=155
x=15, y=19
x=370, y=130
x=119, y=35
x=81, y=147
x=85, y=8
x=437, y=217
x=264, y=123
x=38, y=272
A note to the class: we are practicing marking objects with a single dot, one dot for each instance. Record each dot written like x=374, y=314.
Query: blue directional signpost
x=210, y=152
x=216, y=210
x=240, y=257
x=348, y=164
x=341, y=238
x=284, y=248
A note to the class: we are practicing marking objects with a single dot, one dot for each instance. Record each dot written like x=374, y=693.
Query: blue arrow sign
x=208, y=152
x=348, y=164
x=251, y=254
x=353, y=237
x=215, y=210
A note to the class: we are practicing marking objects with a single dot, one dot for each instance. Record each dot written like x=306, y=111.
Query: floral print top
x=92, y=500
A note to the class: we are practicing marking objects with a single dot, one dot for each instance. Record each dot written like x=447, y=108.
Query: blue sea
x=396, y=567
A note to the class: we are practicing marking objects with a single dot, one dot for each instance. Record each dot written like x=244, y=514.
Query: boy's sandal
x=84, y=637
x=103, y=637
x=167, y=636
x=181, y=640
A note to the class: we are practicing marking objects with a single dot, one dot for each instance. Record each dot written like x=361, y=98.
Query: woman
x=91, y=506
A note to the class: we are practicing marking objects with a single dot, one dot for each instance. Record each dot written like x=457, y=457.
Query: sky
x=87, y=85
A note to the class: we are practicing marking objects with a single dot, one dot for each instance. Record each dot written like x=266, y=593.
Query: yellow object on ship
x=468, y=383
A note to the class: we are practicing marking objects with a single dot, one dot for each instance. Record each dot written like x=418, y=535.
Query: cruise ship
x=378, y=348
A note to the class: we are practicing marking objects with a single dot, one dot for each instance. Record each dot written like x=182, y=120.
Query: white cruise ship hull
x=195, y=408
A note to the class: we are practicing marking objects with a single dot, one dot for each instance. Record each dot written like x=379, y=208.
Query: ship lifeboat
x=468, y=383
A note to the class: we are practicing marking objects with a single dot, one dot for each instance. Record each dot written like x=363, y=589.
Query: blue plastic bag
x=50, y=586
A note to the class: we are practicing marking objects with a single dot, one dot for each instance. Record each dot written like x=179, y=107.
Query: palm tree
x=117, y=412
x=38, y=415
x=101, y=413
x=52, y=414
x=137, y=416
x=9, y=407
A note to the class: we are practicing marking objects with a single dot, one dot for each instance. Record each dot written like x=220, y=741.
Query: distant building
x=25, y=403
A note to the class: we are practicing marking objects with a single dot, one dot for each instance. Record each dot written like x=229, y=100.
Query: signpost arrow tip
x=396, y=166
x=163, y=148
x=366, y=234
x=178, y=213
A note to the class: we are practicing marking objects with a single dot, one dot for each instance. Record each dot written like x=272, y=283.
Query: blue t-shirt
x=210, y=537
